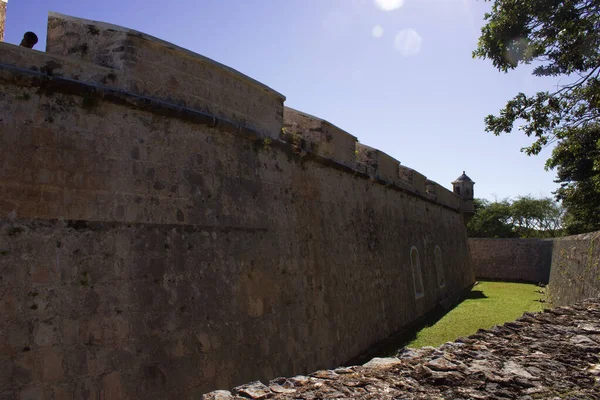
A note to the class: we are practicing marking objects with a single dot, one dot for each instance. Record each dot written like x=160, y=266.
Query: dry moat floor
x=554, y=354
x=488, y=304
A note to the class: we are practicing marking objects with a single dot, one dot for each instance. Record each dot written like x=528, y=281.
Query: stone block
x=87, y=388
x=321, y=136
x=16, y=337
x=416, y=181
x=366, y=155
x=419, y=182
x=32, y=393
x=52, y=364
x=26, y=368
x=431, y=189
x=382, y=362
x=45, y=334
x=449, y=198
x=63, y=392
x=112, y=387
x=10, y=306
x=442, y=195
x=60, y=64
x=386, y=167
x=75, y=362
x=366, y=169
x=406, y=175
x=6, y=371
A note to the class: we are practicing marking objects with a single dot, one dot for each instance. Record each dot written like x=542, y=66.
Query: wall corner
x=3, y=4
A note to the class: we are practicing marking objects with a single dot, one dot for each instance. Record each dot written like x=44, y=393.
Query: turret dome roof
x=463, y=178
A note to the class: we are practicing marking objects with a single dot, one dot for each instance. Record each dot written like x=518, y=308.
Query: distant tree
x=533, y=217
x=491, y=220
x=562, y=39
x=525, y=217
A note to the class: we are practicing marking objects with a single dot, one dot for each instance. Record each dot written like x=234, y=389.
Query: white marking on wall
x=415, y=263
x=439, y=267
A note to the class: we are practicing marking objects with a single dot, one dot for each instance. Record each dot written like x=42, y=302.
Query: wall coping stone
x=189, y=53
x=24, y=77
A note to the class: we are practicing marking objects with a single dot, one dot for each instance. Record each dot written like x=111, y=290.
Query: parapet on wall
x=334, y=144
x=319, y=136
x=161, y=235
x=161, y=70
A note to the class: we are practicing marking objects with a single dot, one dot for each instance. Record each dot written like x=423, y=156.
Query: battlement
x=329, y=141
x=111, y=57
x=321, y=137
x=158, y=69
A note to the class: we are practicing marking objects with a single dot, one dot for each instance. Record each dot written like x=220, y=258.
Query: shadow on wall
x=390, y=346
x=569, y=265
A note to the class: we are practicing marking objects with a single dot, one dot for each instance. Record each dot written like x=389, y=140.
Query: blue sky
x=397, y=74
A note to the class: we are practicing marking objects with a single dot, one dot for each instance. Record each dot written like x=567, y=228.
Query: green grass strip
x=488, y=304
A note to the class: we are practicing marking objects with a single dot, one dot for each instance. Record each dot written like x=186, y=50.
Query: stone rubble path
x=550, y=355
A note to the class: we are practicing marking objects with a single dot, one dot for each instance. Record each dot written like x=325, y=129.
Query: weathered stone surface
x=381, y=165
x=380, y=362
x=254, y=390
x=219, y=395
x=575, y=271
x=570, y=265
x=540, y=356
x=179, y=76
x=321, y=136
x=155, y=244
x=521, y=260
x=2, y=19
x=435, y=191
x=413, y=179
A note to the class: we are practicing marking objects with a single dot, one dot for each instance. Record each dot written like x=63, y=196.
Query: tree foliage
x=577, y=161
x=561, y=38
x=525, y=217
x=491, y=220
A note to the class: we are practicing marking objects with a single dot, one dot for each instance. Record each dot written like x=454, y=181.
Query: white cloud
x=377, y=31
x=389, y=5
x=408, y=42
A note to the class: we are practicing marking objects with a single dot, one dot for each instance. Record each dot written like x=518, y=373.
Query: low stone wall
x=515, y=260
x=571, y=265
x=575, y=273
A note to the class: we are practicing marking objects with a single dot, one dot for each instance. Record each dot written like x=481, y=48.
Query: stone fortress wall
x=513, y=260
x=569, y=265
x=168, y=227
x=575, y=269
